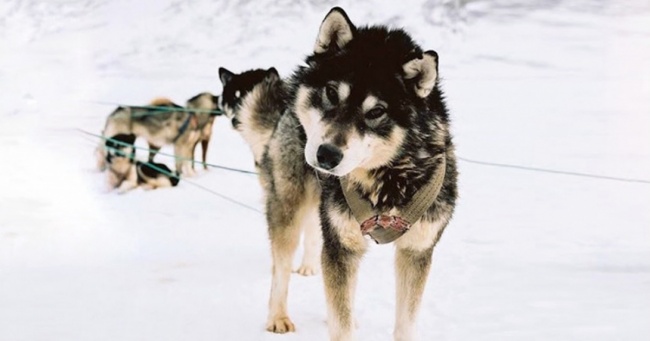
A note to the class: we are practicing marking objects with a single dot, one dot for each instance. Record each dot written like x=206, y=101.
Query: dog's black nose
x=328, y=156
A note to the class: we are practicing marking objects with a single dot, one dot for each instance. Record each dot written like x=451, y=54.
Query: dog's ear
x=424, y=71
x=225, y=75
x=335, y=32
x=272, y=74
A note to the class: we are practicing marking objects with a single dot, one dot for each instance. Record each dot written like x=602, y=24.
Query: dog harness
x=384, y=228
x=183, y=127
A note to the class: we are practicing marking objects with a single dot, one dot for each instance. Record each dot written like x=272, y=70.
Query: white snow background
x=528, y=256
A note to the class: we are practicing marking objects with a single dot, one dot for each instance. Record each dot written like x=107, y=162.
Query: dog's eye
x=332, y=94
x=375, y=113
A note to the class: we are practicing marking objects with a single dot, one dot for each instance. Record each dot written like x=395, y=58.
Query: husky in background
x=126, y=173
x=255, y=101
x=206, y=107
x=377, y=132
x=163, y=122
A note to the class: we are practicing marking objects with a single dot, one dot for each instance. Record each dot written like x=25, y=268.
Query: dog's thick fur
x=366, y=107
x=255, y=102
x=182, y=129
x=126, y=173
x=372, y=111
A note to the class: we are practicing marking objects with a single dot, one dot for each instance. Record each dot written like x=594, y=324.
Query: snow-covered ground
x=528, y=256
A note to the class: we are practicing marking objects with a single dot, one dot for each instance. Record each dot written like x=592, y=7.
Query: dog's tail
x=163, y=102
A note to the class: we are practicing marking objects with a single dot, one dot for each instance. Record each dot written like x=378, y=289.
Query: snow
x=528, y=256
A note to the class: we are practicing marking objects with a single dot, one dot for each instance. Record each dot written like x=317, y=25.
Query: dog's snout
x=328, y=156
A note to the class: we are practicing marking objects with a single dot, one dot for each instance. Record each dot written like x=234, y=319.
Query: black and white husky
x=255, y=101
x=363, y=133
x=126, y=173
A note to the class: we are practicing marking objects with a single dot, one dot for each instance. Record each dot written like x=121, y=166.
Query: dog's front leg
x=313, y=244
x=153, y=150
x=342, y=250
x=340, y=269
x=182, y=152
x=204, y=151
x=126, y=186
x=130, y=182
x=411, y=271
x=284, y=232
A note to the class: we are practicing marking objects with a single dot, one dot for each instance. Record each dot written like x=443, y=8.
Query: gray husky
x=362, y=132
x=206, y=108
x=163, y=123
x=255, y=102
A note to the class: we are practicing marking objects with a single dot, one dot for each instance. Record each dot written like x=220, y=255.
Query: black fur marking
x=244, y=83
x=235, y=123
x=117, y=146
x=152, y=170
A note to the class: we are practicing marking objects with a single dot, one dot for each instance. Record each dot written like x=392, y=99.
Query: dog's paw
x=125, y=187
x=280, y=325
x=187, y=170
x=307, y=270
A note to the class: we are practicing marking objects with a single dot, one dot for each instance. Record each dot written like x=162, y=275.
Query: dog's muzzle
x=384, y=228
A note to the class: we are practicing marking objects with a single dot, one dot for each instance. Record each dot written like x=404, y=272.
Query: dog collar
x=384, y=228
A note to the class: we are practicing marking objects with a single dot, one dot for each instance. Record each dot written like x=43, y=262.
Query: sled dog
x=255, y=102
x=126, y=173
x=206, y=106
x=161, y=123
x=376, y=129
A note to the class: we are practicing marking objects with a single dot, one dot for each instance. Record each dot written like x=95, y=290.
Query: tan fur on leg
x=283, y=246
x=312, y=242
x=411, y=271
x=340, y=276
x=130, y=182
x=182, y=152
x=340, y=263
